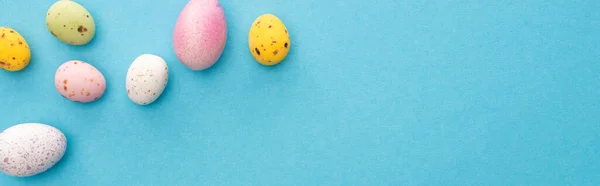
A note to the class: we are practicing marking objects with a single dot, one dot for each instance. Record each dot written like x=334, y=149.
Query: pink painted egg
x=79, y=81
x=200, y=34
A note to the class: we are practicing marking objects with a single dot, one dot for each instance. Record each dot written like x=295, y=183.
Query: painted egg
x=30, y=148
x=70, y=22
x=200, y=34
x=79, y=81
x=269, y=40
x=14, y=50
x=147, y=78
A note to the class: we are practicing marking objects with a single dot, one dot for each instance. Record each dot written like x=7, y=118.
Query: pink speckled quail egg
x=147, y=78
x=30, y=148
x=79, y=81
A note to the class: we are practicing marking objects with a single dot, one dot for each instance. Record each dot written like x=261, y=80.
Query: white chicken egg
x=147, y=78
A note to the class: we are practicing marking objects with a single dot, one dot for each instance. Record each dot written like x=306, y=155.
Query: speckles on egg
x=146, y=79
x=268, y=40
x=79, y=81
x=70, y=22
x=14, y=50
x=30, y=148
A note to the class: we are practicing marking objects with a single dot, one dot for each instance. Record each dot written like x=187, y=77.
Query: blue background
x=379, y=92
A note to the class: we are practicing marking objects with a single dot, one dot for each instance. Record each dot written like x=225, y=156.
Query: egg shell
x=70, y=22
x=79, y=81
x=147, y=78
x=269, y=40
x=200, y=34
x=30, y=148
x=14, y=50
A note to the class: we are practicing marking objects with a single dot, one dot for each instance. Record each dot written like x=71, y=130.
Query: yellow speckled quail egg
x=14, y=50
x=268, y=40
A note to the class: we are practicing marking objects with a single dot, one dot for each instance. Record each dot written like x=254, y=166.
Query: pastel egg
x=14, y=50
x=200, y=34
x=147, y=78
x=30, y=148
x=269, y=40
x=70, y=22
x=79, y=81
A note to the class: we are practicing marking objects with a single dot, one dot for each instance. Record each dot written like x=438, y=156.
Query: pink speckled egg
x=30, y=148
x=200, y=34
x=79, y=81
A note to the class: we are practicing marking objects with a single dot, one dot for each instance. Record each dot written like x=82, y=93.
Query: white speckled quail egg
x=30, y=148
x=147, y=78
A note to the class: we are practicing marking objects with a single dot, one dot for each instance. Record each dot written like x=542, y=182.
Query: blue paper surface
x=380, y=92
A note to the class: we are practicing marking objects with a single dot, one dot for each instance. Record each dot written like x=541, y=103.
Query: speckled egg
x=200, y=34
x=269, y=40
x=70, y=22
x=147, y=78
x=14, y=50
x=30, y=148
x=79, y=81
